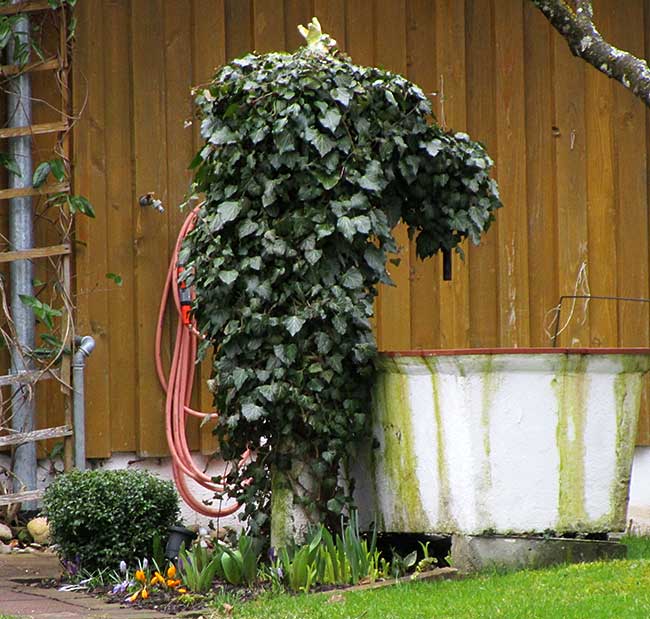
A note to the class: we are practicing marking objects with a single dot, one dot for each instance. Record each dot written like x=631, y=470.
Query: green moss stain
x=446, y=521
x=488, y=390
x=281, y=511
x=571, y=385
x=399, y=457
x=627, y=395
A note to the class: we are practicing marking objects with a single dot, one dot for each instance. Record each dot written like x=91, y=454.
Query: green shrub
x=98, y=518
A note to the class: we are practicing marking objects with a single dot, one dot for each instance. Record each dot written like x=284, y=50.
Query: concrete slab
x=477, y=553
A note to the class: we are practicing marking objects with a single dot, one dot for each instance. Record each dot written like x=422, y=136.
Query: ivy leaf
x=352, y=279
x=79, y=204
x=375, y=258
x=331, y=120
x=115, y=277
x=373, y=179
x=223, y=135
x=252, y=412
x=239, y=376
x=341, y=95
x=345, y=226
x=41, y=173
x=228, y=277
x=319, y=141
x=323, y=343
x=226, y=212
x=58, y=169
x=433, y=147
x=313, y=256
x=9, y=163
x=293, y=324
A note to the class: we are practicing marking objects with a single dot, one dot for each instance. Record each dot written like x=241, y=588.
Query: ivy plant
x=309, y=162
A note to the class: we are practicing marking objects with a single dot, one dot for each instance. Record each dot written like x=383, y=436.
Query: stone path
x=19, y=596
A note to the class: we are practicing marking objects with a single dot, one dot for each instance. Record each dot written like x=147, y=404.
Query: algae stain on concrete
x=628, y=387
x=488, y=390
x=446, y=521
x=399, y=457
x=571, y=385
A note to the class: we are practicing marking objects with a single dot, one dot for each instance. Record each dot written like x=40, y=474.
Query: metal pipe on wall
x=84, y=348
x=21, y=236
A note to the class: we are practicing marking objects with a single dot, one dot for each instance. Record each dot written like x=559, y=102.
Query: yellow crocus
x=145, y=594
x=173, y=583
x=134, y=597
x=139, y=576
x=171, y=571
x=157, y=578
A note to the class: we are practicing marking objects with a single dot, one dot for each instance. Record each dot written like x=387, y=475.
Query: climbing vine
x=309, y=162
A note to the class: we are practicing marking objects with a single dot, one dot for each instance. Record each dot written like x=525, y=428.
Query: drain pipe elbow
x=84, y=348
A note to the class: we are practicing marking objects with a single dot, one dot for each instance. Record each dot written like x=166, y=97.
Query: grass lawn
x=618, y=589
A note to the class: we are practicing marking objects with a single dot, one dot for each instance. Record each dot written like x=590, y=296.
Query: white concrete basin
x=506, y=441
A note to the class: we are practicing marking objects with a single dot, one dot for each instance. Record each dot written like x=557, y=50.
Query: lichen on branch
x=575, y=22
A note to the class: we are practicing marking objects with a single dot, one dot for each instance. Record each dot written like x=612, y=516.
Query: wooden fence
x=571, y=160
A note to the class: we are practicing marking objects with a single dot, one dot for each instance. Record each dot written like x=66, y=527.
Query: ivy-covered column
x=309, y=161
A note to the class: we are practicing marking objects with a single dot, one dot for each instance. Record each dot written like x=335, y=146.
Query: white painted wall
x=639, y=507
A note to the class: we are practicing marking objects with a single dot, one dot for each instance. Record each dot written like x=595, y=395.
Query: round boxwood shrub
x=98, y=518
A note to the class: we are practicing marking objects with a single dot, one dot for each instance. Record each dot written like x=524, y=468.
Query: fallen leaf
x=337, y=597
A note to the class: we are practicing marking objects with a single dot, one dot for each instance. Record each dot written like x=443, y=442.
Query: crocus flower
x=173, y=583
x=171, y=571
x=134, y=597
x=145, y=563
x=145, y=594
x=123, y=567
x=157, y=578
x=140, y=577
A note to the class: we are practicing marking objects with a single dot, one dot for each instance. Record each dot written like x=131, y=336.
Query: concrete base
x=476, y=553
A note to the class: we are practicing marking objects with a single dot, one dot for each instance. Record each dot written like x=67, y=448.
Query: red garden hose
x=178, y=387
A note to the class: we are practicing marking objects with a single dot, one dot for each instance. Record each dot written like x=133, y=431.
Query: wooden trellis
x=63, y=251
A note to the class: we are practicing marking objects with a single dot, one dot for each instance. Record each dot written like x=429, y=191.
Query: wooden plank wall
x=571, y=160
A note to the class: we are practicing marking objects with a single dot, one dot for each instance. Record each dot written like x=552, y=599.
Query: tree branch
x=584, y=40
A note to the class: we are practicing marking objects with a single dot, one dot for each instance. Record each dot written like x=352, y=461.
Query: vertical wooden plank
x=120, y=211
x=268, y=19
x=180, y=148
x=394, y=328
x=92, y=234
x=209, y=44
x=452, y=110
x=511, y=172
x=571, y=189
x=643, y=434
x=296, y=13
x=425, y=275
x=601, y=193
x=481, y=123
x=540, y=167
x=630, y=131
x=151, y=235
x=239, y=24
x=360, y=39
x=331, y=14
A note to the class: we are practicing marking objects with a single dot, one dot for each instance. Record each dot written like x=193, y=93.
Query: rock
x=5, y=549
x=5, y=533
x=39, y=530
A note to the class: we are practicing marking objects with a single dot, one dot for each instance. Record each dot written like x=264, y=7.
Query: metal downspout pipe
x=21, y=236
x=84, y=347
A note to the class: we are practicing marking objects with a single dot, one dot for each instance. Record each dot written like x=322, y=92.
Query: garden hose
x=178, y=386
